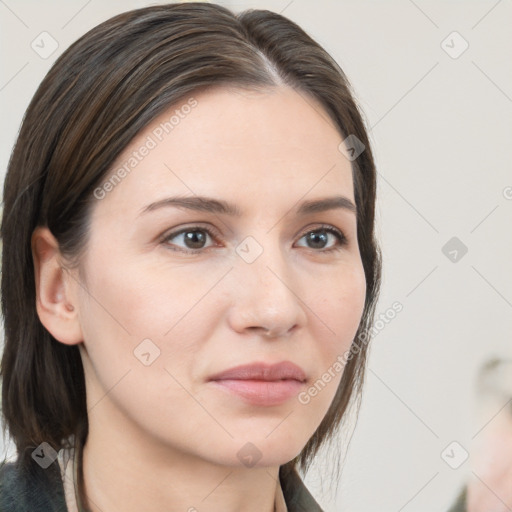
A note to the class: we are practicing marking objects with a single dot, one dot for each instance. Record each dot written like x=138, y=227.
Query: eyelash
x=342, y=239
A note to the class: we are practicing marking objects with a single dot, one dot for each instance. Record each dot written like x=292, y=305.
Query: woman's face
x=172, y=296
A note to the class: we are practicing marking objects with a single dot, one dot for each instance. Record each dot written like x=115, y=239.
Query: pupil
x=191, y=237
x=314, y=237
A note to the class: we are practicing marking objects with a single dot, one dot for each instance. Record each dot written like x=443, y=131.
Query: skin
x=161, y=437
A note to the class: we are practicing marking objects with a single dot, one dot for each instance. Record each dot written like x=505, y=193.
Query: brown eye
x=193, y=239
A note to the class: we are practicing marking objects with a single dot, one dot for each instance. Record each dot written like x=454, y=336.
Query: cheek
x=142, y=334
x=146, y=318
x=336, y=315
x=341, y=306
x=143, y=299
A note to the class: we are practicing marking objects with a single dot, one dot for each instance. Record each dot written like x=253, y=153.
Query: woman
x=189, y=267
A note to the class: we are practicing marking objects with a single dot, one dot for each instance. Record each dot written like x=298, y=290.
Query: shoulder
x=296, y=494
x=31, y=489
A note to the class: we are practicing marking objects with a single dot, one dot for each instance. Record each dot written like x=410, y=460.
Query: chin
x=266, y=453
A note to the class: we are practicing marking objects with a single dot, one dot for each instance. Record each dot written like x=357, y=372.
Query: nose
x=266, y=295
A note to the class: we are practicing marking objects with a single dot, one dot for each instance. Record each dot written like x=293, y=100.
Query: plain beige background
x=440, y=119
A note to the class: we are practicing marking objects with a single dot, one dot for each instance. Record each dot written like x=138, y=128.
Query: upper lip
x=263, y=371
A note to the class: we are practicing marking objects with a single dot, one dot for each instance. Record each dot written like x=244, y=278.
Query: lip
x=262, y=384
x=263, y=371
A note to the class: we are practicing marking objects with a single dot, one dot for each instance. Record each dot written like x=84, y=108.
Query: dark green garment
x=296, y=495
x=41, y=490
x=33, y=490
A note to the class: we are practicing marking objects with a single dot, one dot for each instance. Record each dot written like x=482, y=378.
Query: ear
x=56, y=302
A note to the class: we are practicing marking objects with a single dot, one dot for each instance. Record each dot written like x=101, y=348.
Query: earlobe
x=54, y=289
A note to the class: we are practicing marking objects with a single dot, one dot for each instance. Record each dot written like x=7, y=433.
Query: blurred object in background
x=490, y=485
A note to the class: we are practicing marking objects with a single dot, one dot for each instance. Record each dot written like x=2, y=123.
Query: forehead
x=266, y=146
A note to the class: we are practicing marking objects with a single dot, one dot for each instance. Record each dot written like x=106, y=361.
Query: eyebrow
x=219, y=206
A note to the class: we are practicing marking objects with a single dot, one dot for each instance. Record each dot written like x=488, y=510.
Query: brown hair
x=104, y=89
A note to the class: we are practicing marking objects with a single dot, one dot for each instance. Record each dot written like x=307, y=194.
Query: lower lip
x=260, y=392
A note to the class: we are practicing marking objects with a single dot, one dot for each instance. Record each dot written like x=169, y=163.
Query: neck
x=124, y=469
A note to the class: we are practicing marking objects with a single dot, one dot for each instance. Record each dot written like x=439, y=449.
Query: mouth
x=262, y=384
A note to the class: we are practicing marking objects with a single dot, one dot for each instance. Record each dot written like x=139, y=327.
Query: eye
x=194, y=239
x=319, y=237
